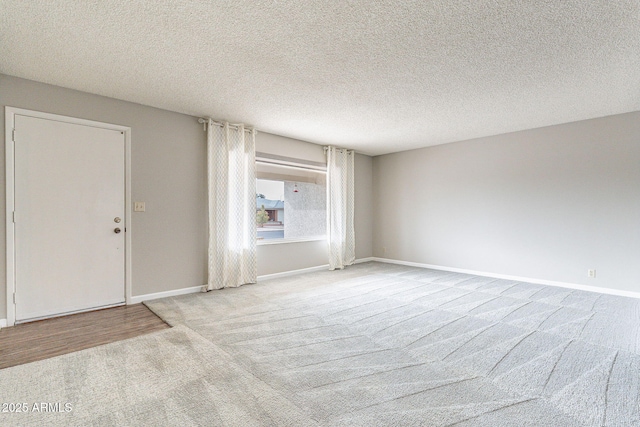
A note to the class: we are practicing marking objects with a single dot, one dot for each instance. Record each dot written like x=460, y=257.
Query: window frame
x=296, y=164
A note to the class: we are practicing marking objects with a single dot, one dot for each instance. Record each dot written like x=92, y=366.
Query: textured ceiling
x=378, y=76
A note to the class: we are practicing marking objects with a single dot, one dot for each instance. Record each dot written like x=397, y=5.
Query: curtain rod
x=339, y=149
x=203, y=121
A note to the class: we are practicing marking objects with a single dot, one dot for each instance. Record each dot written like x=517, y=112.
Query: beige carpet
x=169, y=378
x=374, y=345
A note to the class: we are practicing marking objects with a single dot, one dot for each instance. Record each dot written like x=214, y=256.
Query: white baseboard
x=577, y=286
x=292, y=272
x=306, y=270
x=195, y=289
x=148, y=297
x=3, y=323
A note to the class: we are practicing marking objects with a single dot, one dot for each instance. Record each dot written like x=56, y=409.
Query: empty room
x=349, y=213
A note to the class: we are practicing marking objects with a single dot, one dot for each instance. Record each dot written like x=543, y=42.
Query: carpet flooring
x=373, y=345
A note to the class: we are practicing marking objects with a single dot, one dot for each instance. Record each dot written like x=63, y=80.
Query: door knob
x=117, y=220
x=117, y=230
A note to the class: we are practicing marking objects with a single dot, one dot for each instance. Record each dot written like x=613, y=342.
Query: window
x=270, y=209
x=290, y=202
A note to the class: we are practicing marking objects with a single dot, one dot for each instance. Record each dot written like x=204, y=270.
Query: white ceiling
x=377, y=76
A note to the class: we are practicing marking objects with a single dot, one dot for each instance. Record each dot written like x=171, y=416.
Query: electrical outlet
x=138, y=207
x=591, y=273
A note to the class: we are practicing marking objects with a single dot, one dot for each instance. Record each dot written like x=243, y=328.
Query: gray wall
x=546, y=203
x=363, y=176
x=169, y=174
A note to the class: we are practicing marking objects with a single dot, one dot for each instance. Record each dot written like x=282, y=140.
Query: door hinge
x=13, y=135
x=14, y=216
x=14, y=297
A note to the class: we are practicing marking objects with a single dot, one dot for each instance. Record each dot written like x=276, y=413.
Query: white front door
x=69, y=217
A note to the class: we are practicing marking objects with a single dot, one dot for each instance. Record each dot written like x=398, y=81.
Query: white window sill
x=266, y=242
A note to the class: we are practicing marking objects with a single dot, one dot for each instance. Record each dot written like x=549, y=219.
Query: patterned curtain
x=232, y=206
x=340, y=207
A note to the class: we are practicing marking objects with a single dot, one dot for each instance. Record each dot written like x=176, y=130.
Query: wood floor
x=52, y=337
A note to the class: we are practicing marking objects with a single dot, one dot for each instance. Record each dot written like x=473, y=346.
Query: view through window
x=270, y=209
x=290, y=209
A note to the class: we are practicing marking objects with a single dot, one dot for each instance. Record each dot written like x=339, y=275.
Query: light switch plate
x=138, y=207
